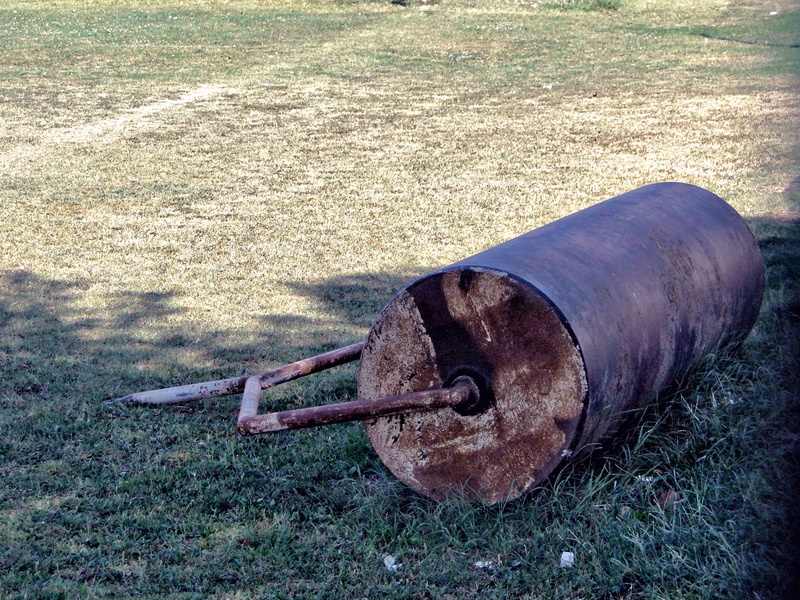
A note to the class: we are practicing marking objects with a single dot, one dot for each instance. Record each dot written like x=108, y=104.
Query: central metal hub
x=480, y=393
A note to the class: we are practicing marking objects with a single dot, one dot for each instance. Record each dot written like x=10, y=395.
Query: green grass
x=198, y=190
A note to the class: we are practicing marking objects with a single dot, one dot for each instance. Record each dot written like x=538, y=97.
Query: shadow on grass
x=122, y=499
x=93, y=495
x=779, y=240
x=59, y=361
x=52, y=346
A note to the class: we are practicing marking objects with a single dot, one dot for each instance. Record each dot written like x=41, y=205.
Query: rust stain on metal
x=512, y=342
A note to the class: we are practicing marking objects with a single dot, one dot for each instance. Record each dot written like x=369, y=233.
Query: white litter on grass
x=391, y=564
x=567, y=560
x=484, y=564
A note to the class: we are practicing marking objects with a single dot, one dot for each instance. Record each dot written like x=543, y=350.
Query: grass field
x=202, y=189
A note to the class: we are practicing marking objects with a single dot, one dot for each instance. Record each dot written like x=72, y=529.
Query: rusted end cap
x=507, y=338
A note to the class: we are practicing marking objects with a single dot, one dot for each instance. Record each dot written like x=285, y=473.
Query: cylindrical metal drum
x=566, y=330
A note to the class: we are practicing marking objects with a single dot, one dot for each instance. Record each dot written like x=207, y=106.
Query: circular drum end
x=508, y=338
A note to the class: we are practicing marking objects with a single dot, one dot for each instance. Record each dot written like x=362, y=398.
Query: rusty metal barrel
x=483, y=377
x=566, y=331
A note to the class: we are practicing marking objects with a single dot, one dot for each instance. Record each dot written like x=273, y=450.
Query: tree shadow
x=95, y=472
x=356, y=299
x=53, y=345
x=779, y=325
